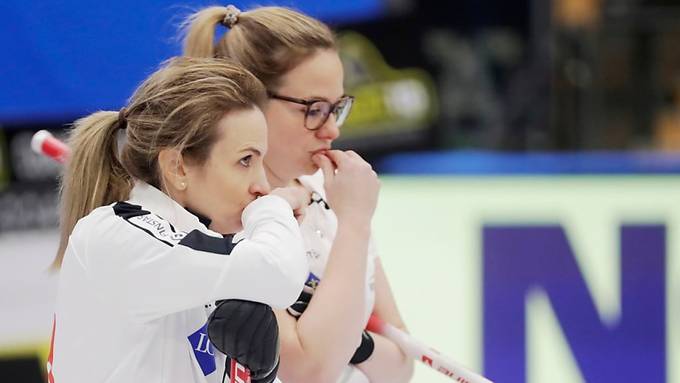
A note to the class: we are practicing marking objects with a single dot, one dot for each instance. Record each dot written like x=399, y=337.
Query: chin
x=310, y=168
x=227, y=227
x=235, y=228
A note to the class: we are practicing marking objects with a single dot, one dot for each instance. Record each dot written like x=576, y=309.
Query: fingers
x=337, y=156
x=299, y=214
x=302, y=196
x=341, y=158
x=324, y=163
x=297, y=197
x=353, y=154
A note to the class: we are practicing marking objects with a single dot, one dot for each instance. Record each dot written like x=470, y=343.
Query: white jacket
x=139, y=279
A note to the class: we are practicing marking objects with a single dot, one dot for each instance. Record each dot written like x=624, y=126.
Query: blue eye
x=245, y=161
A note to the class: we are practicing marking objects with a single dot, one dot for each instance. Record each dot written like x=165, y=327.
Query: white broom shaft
x=420, y=351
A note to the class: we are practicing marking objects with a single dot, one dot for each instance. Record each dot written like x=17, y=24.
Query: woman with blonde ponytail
x=296, y=57
x=143, y=257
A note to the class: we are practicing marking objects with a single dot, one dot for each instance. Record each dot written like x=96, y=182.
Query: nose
x=261, y=186
x=329, y=130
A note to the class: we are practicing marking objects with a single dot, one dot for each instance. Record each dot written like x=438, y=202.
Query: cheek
x=285, y=139
x=228, y=203
x=224, y=188
x=285, y=125
x=233, y=188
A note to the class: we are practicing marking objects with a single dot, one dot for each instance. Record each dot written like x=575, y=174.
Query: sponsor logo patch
x=312, y=281
x=157, y=227
x=203, y=350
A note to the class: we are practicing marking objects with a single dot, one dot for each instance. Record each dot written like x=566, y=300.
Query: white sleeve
x=352, y=374
x=152, y=278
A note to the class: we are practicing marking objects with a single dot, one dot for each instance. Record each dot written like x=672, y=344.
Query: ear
x=173, y=169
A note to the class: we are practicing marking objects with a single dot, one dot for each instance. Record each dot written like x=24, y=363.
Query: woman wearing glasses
x=296, y=57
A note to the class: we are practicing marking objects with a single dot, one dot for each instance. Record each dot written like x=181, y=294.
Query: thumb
x=326, y=166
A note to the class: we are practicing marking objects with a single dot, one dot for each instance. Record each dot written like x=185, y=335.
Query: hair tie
x=231, y=18
x=122, y=118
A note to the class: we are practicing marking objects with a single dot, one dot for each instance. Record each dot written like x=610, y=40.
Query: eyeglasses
x=317, y=111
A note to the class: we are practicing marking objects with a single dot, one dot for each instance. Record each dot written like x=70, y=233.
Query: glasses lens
x=343, y=109
x=317, y=114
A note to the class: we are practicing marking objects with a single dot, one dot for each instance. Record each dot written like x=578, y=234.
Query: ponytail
x=267, y=41
x=200, y=31
x=93, y=176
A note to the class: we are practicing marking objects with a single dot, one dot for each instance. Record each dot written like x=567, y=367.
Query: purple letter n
x=517, y=258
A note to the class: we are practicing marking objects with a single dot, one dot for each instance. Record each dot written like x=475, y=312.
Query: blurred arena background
x=529, y=152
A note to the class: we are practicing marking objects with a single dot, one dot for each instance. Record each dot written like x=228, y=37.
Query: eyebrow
x=321, y=98
x=251, y=149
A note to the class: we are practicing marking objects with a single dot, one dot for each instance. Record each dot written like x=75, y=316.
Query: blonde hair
x=268, y=41
x=178, y=106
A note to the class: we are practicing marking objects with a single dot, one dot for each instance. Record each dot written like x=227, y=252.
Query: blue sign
x=70, y=58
